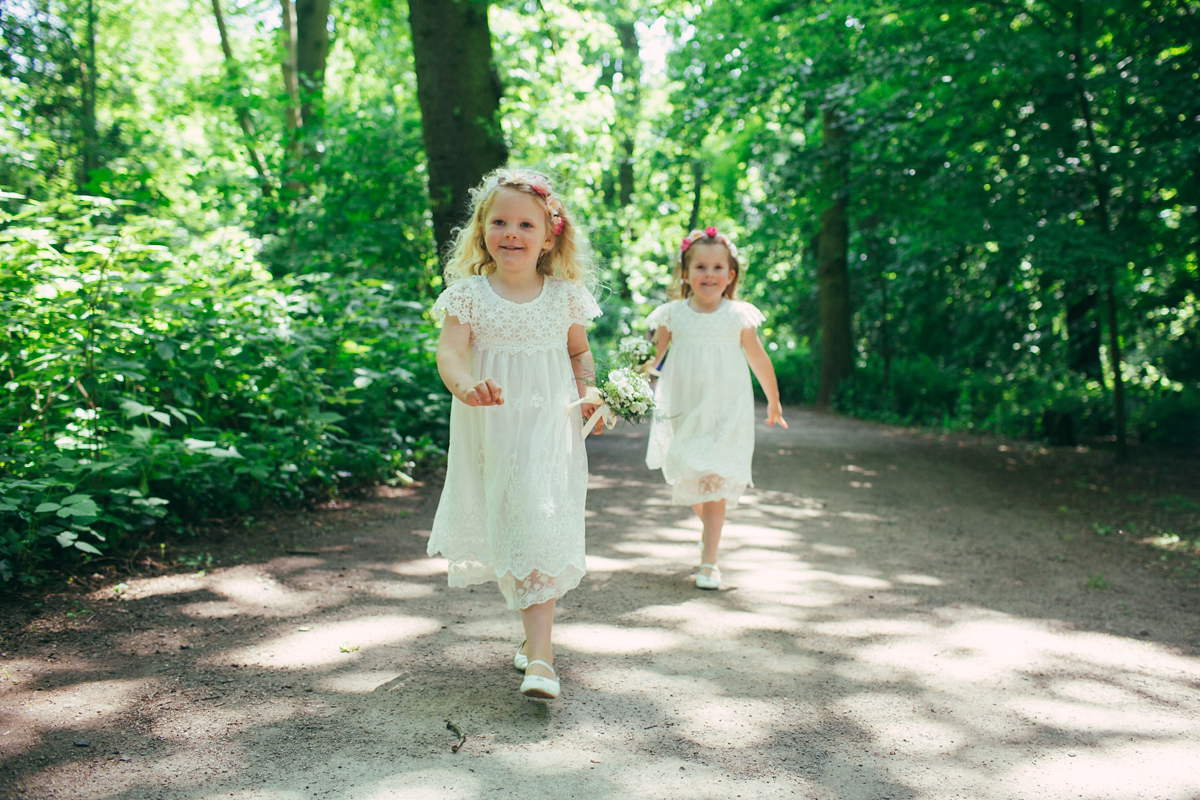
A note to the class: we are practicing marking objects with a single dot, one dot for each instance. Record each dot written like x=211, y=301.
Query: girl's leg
x=712, y=518
x=538, y=621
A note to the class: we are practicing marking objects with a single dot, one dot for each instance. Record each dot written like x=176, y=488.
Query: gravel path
x=904, y=616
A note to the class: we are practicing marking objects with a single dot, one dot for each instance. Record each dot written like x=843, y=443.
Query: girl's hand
x=775, y=414
x=588, y=410
x=484, y=393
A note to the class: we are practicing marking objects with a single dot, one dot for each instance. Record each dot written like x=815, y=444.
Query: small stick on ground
x=457, y=731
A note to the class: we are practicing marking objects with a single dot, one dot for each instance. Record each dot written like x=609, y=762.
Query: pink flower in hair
x=710, y=232
x=540, y=190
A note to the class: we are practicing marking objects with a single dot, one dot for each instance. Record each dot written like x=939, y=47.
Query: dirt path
x=905, y=616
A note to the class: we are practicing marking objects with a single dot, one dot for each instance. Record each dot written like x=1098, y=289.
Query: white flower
x=628, y=394
x=633, y=351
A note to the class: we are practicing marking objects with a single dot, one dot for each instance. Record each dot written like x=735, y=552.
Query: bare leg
x=538, y=621
x=712, y=517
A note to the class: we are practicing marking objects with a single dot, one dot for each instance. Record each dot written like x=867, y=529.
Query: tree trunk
x=628, y=105
x=312, y=52
x=697, y=187
x=90, y=158
x=291, y=84
x=833, y=276
x=1103, y=193
x=1083, y=333
x=292, y=89
x=460, y=103
x=233, y=75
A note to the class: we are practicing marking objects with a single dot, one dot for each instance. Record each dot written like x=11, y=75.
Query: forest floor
x=905, y=615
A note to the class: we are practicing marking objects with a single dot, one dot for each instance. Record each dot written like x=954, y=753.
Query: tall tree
x=88, y=86
x=833, y=244
x=459, y=95
x=233, y=74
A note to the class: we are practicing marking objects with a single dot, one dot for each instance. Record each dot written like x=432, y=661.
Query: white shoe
x=538, y=686
x=711, y=581
x=520, y=660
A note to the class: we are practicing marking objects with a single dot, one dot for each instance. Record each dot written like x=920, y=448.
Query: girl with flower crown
x=514, y=353
x=702, y=435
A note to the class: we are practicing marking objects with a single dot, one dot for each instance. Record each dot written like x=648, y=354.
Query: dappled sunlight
x=715, y=622
x=434, y=782
x=220, y=724
x=399, y=590
x=614, y=639
x=248, y=591
x=1167, y=770
x=918, y=580
x=871, y=628
x=721, y=721
x=834, y=550
x=255, y=794
x=800, y=512
x=78, y=705
x=421, y=567
x=327, y=643
x=829, y=665
x=355, y=681
x=597, y=564
x=739, y=535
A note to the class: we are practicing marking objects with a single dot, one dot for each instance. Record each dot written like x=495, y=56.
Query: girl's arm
x=583, y=365
x=662, y=340
x=760, y=365
x=453, y=346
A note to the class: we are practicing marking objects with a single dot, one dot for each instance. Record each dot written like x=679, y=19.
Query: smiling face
x=516, y=233
x=708, y=272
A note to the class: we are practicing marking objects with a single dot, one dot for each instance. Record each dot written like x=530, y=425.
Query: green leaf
x=87, y=548
x=162, y=417
x=47, y=507
x=133, y=408
x=84, y=508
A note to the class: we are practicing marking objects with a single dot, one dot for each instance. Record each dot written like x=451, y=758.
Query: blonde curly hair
x=568, y=257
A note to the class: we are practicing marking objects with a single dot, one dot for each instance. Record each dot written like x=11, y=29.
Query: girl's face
x=709, y=271
x=515, y=232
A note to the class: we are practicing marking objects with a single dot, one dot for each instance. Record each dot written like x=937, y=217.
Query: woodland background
x=219, y=224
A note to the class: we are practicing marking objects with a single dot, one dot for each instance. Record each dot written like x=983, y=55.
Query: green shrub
x=155, y=378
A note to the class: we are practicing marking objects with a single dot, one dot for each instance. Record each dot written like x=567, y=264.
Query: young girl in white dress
x=514, y=353
x=702, y=434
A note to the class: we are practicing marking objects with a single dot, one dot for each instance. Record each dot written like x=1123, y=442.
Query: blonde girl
x=514, y=353
x=702, y=436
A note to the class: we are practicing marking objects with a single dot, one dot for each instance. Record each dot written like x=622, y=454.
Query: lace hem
x=519, y=592
x=706, y=489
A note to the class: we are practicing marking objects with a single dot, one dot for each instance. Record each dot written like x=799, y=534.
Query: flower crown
x=557, y=213
x=708, y=233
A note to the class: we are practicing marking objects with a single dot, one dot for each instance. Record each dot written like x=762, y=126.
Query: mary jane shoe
x=539, y=686
x=711, y=581
x=520, y=660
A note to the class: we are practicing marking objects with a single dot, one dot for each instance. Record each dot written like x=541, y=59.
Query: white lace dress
x=512, y=506
x=702, y=433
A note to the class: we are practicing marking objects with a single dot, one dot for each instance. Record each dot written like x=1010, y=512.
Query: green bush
x=157, y=378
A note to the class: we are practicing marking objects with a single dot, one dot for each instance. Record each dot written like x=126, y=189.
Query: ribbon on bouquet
x=602, y=412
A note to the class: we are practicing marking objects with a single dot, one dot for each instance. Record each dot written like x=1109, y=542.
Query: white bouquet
x=623, y=394
x=635, y=351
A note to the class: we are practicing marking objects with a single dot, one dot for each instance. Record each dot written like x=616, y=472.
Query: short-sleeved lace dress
x=702, y=434
x=512, y=506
